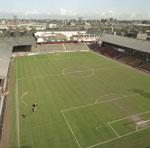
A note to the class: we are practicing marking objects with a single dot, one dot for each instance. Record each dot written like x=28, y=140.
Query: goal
x=142, y=124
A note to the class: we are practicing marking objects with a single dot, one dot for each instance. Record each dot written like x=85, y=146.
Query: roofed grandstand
x=133, y=52
x=6, y=48
x=135, y=44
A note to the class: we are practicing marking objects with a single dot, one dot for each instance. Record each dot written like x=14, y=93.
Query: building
x=52, y=26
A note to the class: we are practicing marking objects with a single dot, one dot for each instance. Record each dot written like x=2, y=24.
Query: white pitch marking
x=79, y=71
x=57, y=75
x=17, y=109
x=114, y=121
x=109, y=124
x=117, y=62
x=88, y=69
x=116, y=138
x=100, y=102
x=71, y=130
x=24, y=94
x=101, y=126
x=68, y=51
x=40, y=76
x=108, y=95
x=113, y=129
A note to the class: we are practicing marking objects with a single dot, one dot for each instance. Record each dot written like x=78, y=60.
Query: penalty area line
x=138, y=114
x=109, y=124
x=71, y=130
x=99, y=102
x=117, y=138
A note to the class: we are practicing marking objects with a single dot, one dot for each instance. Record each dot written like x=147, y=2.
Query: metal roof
x=140, y=45
x=4, y=64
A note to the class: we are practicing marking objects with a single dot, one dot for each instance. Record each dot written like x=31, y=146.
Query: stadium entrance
x=23, y=48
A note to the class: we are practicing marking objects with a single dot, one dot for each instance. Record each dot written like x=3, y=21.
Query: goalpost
x=142, y=124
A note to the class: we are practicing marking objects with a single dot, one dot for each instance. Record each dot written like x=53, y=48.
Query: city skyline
x=120, y=9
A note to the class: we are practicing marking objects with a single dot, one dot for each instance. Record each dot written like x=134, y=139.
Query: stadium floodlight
x=143, y=124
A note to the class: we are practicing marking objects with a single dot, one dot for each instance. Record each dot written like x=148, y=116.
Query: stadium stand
x=76, y=47
x=5, y=54
x=130, y=43
x=95, y=47
x=131, y=60
x=49, y=48
x=145, y=66
x=67, y=47
x=133, y=52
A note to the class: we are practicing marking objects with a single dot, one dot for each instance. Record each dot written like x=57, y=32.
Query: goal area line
x=99, y=102
x=117, y=137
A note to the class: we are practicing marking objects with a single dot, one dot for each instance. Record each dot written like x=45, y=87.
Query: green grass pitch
x=84, y=101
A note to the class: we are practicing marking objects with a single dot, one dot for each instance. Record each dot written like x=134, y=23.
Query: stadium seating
x=121, y=56
x=95, y=47
x=110, y=52
x=146, y=66
x=131, y=60
x=76, y=47
x=49, y=48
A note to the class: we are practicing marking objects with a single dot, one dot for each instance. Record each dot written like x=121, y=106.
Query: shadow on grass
x=143, y=93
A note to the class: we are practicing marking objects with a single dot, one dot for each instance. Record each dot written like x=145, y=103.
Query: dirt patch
x=109, y=97
x=138, y=119
x=145, y=94
x=135, y=119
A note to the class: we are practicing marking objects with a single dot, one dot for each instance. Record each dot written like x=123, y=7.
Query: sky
x=120, y=9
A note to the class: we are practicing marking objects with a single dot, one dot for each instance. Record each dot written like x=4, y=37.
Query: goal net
x=142, y=124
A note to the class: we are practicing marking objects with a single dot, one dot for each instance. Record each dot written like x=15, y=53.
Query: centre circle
x=78, y=71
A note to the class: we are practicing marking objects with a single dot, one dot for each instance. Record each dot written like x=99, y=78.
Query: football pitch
x=84, y=101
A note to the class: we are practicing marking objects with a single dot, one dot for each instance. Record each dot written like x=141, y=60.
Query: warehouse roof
x=140, y=45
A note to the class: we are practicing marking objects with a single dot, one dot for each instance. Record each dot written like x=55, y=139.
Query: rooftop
x=140, y=45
